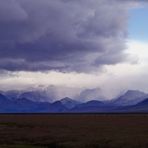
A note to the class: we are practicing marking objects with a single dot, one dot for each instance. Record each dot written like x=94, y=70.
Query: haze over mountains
x=30, y=102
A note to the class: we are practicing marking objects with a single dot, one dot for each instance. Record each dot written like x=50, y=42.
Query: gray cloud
x=65, y=35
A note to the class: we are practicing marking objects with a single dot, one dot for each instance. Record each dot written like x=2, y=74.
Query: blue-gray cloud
x=65, y=35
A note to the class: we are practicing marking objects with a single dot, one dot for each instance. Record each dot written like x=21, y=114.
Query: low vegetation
x=74, y=131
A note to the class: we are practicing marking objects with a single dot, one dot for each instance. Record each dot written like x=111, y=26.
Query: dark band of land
x=74, y=130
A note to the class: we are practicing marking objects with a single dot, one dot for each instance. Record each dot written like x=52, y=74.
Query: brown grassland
x=74, y=131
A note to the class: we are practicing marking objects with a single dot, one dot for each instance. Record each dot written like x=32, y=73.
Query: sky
x=84, y=49
x=138, y=24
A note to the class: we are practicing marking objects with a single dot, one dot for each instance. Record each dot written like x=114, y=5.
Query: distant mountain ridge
x=33, y=95
x=131, y=97
x=131, y=101
x=69, y=103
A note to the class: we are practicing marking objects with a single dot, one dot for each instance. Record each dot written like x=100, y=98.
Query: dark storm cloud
x=65, y=35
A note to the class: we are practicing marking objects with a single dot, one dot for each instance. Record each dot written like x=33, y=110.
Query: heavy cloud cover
x=65, y=35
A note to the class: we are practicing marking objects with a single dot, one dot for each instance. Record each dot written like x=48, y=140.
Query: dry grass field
x=74, y=131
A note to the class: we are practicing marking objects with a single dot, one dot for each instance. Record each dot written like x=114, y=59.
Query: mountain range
x=29, y=102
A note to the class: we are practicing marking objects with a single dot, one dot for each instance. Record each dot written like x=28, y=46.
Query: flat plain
x=73, y=130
